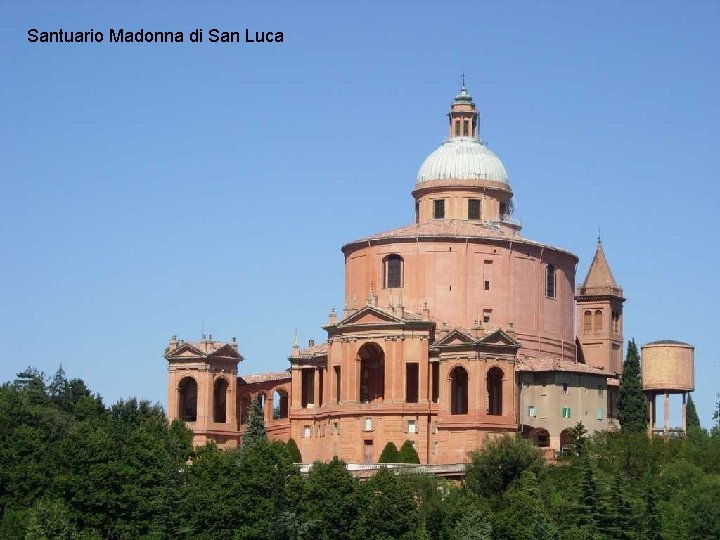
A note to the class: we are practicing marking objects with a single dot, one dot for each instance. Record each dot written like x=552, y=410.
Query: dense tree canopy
x=72, y=468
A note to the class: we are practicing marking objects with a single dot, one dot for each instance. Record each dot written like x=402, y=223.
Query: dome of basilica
x=462, y=158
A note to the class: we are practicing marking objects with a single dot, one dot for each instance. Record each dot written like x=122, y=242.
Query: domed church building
x=455, y=329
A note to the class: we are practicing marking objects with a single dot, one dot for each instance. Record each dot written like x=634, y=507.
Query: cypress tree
x=389, y=454
x=293, y=451
x=256, y=426
x=691, y=416
x=632, y=409
x=408, y=454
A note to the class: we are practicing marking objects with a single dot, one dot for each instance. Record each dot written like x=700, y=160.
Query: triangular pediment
x=226, y=351
x=499, y=337
x=186, y=350
x=370, y=315
x=456, y=337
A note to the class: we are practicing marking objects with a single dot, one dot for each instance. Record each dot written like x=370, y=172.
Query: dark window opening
x=308, y=387
x=487, y=285
x=220, y=401
x=598, y=321
x=550, y=281
x=393, y=272
x=439, y=208
x=458, y=391
x=411, y=382
x=503, y=210
x=320, y=387
x=474, y=209
x=337, y=384
x=417, y=212
x=466, y=128
x=587, y=321
x=188, y=400
x=457, y=128
x=494, y=388
x=372, y=373
x=435, y=382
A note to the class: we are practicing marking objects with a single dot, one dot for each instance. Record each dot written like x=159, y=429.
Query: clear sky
x=153, y=189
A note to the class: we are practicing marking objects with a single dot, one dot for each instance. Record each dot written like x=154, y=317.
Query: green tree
x=386, y=509
x=632, y=409
x=691, y=415
x=408, y=454
x=621, y=522
x=523, y=514
x=390, y=454
x=716, y=416
x=651, y=521
x=293, y=451
x=473, y=526
x=50, y=519
x=502, y=460
x=578, y=436
x=256, y=426
x=329, y=500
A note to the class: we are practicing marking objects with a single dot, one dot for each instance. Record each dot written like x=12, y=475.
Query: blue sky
x=152, y=189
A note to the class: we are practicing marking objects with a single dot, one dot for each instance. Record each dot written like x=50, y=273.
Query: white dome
x=462, y=158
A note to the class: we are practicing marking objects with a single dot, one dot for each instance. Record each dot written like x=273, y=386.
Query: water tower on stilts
x=668, y=367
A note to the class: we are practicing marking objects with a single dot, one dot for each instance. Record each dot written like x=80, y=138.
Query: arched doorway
x=220, y=389
x=540, y=437
x=567, y=445
x=372, y=373
x=187, y=402
x=280, y=404
x=458, y=391
x=494, y=388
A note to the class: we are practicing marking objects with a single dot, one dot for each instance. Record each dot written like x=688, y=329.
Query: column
x=666, y=412
x=684, y=412
x=651, y=413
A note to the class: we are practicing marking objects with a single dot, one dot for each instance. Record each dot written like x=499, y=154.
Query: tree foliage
x=390, y=454
x=72, y=468
x=408, y=454
x=255, y=430
x=293, y=451
x=500, y=462
x=632, y=408
x=691, y=416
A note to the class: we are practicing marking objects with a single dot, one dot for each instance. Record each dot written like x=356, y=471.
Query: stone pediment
x=456, y=337
x=204, y=349
x=370, y=315
x=499, y=337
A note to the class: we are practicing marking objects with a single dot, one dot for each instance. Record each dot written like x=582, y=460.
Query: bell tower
x=599, y=316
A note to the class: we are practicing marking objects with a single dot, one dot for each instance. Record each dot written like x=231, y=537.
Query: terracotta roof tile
x=264, y=377
x=550, y=364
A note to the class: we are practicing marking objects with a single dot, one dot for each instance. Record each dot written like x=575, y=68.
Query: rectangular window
x=320, y=386
x=368, y=424
x=565, y=388
x=308, y=387
x=457, y=128
x=474, y=209
x=435, y=382
x=487, y=314
x=337, y=384
x=601, y=390
x=466, y=128
x=435, y=448
x=487, y=285
x=412, y=426
x=439, y=208
x=532, y=411
x=307, y=432
x=599, y=414
x=566, y=412
x=550, y=281
x=336, y=428
x=411, y=382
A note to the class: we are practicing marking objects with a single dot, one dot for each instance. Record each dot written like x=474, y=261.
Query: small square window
x=566, y=412
x=307, y=432
x=412, y=426
x=532, y=411
x=368, y=424
x=439, y=208
x=599, y=414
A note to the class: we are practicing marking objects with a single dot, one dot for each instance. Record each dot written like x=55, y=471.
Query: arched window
x=598, y=321
x=458, y=391
x=587, y=321
x=244, y=410
x=550, y=281
x=188, y=400
x=372, y=373
x=494, y=389
x=280, y=404
x=220, y=401
x=393, y=272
